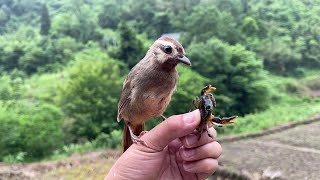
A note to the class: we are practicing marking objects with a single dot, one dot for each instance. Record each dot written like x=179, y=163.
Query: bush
x=131, y=49
x=281, y=56
x=112, y=140
x=91, y=94
x=32, y=129
x=10, y=88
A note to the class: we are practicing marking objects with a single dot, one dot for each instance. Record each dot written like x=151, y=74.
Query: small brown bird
x=149, y=86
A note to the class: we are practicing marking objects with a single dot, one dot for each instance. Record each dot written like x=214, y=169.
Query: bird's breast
x=153, y=94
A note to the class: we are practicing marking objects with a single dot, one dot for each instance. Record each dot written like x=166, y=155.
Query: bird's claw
x=142, y=133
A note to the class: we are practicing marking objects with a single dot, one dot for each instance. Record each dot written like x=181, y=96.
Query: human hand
x=172, y=152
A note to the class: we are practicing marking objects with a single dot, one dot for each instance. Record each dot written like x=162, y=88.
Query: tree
x=162, y=23
x=110, y=16
x=131, y=48
x=77, y=22
x=141, y=14
x=4, y=18
x=281, y=55
x=45, y=20
x=207, y=21
x=235, y=72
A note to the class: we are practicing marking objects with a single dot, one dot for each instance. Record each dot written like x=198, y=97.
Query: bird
x=149, y=86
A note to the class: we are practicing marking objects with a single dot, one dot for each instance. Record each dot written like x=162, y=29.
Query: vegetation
x=62, y=65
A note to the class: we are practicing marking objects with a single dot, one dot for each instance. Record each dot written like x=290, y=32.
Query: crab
x=206, y=104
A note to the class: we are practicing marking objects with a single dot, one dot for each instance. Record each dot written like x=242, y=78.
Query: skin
x=173, y=151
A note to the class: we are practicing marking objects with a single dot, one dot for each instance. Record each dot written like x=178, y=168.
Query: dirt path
x=289, y=154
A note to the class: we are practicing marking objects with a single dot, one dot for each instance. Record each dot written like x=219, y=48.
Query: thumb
x=173, y=127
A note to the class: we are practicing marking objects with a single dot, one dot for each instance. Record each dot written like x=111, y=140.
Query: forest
x=63, y=62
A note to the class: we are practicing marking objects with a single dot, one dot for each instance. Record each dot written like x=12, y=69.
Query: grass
x=71, y=149
x=95, y=170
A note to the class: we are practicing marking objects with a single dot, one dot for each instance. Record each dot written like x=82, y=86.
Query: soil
x=289, y=154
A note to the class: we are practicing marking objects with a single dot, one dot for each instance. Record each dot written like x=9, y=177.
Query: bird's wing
x=125, y=98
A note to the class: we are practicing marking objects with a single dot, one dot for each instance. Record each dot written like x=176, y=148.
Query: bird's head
x=169, y=52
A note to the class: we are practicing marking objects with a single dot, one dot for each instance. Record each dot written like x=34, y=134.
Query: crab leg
x=162, y=117
x=217, y=124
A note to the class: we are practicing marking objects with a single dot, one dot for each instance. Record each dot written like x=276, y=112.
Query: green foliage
x=77, y=23
x=90, y=95
x=4, y=18
x=206, y=22
x=10, y=89
x=32, y=53
x=250, y=26
x=17, y=158
x=290, y=27
x=45, y=21
x=235, y=72
x=112, y=140
x=280, y=56
x=31, y=128
x=110, y=16
x=131, y=48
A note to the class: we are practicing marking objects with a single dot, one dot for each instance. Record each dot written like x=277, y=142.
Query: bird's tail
x=126, y=139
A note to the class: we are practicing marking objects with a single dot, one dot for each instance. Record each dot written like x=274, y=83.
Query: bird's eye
x=167, y=49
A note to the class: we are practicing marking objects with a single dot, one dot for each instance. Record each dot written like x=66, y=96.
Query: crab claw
x=229, y=120
x=209, y=88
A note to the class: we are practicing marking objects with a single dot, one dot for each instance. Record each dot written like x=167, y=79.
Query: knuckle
x=213, y=132
x=212, y=167
x=209, y=168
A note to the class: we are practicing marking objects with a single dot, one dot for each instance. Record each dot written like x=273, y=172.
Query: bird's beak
x=184, y=60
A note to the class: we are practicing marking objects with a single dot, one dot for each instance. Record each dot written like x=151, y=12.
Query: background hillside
x=62, y=64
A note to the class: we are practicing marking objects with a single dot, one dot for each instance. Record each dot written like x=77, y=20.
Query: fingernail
x=191, y=139
x=189, y=117
x=189, y=153
x=188, y=166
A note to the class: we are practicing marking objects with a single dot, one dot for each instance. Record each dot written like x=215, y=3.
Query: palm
x=172, y=163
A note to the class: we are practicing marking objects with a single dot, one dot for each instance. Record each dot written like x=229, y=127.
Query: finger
x=185, y=175
x=210, y=150
x=170, y=129
x=192, y=140
x=208, y=166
